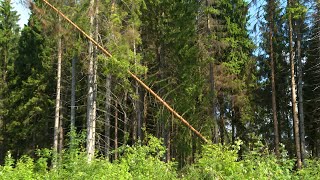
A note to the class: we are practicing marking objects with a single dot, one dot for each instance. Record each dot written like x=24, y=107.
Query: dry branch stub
x=146, y=87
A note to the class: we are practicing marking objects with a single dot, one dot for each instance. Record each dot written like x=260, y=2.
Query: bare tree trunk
x=168, y=138
x=73, y=98
x=164, y=128
x=293, y=93
x=91, y=101
x=116, y=131
x=273, y=84
x=108, y=100
x=95, y=68
x=137, y=101
x=300, y=87
x=160, y=121
x=145, y=109
x=134, y=130
x=61, y=130
x=107, y=114
x=58, y=92
x=125, y=121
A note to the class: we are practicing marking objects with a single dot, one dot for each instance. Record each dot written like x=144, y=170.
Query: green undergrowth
x=144, y=162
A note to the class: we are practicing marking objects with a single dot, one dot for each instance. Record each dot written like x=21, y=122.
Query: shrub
x=136, y=162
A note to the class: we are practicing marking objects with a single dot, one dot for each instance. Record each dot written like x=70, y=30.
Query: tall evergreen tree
x=9, y=37
x=31, y=92
x=271, y=11
x=311, y=86
x=234, y=76
x=293, y=88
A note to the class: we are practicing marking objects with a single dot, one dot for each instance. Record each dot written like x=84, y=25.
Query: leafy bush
x=136, y=162
x=144, y=162
x=222, y=162
x=310, y=171
x=216, y=162
x=23, y=169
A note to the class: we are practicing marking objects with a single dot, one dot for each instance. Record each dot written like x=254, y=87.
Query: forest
x=160, y=89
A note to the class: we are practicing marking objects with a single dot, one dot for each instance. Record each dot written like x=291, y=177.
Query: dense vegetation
x=256, y=103
x=144, y=162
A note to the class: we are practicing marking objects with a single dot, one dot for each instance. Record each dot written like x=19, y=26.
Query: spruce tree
x=31, y=92
x=9, y=36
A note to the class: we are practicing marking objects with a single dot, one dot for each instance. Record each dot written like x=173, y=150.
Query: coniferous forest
x=234, y=92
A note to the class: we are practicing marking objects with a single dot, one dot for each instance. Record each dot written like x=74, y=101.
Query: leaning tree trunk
x=293, y=93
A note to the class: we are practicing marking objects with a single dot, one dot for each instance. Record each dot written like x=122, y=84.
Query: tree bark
x=58, y=92
x=300, y=93
x=273, y=84
x=125, y=121
x=116, y=131
x=108, y=100
x=107, y=114
x=137, y=101
x=73, y=98
x=61, y=135
x=91, y=101
x=168, y=139
x=293, y=93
